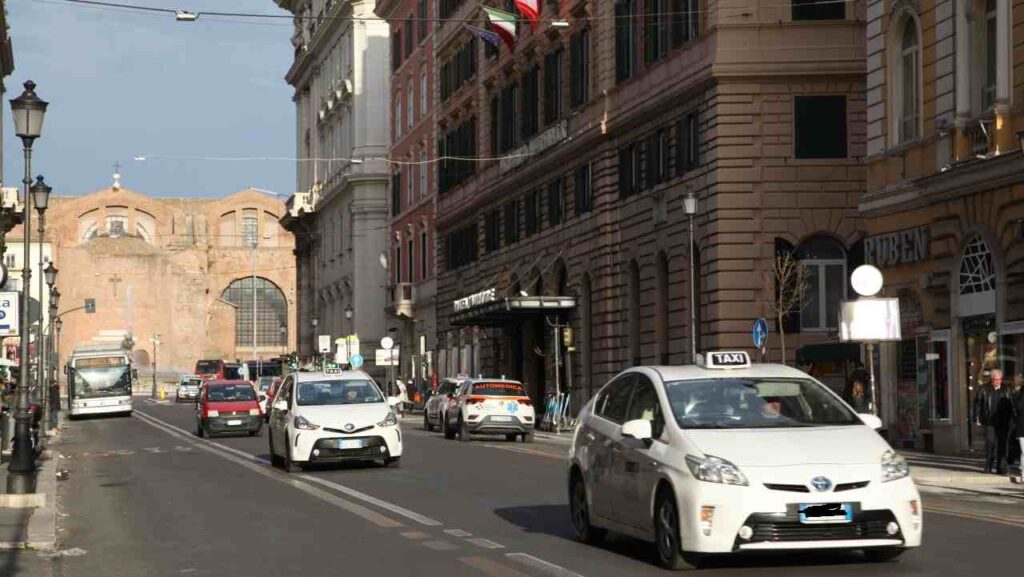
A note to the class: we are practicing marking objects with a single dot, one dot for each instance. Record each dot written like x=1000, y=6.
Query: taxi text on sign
x=8, y=314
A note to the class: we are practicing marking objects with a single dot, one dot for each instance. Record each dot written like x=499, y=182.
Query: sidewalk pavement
x=964, y=472
x=29, y=527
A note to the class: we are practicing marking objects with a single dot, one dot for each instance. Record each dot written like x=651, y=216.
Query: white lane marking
x=354, y=508
x=542, y=565
x=439, y=545
x=486, y=543
x=414, y=535
x=458, y=533
x=491, y=567
x=396, y=509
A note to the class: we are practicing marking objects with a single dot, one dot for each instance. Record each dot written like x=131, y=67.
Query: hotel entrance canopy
x=504, y=311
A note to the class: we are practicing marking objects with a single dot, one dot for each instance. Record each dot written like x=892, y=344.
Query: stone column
x=963, y=79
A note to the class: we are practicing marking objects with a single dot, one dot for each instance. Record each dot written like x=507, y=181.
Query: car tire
x=511, y=437
x=883, y=554
x=463, y=432
x=393, y=462
x=449, y=433
x=426, y=422
x=579, y=510
x=275, y=460
x=528, y=437
x=289, y=465
x=668, y=540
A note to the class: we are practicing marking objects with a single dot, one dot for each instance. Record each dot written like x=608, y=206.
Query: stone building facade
x=944, y=206
x=340, y=215
x=413, y=95
x=179, y=268
x=601, y=128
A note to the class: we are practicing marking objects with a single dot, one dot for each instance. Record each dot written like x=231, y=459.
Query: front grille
x=372, y=450
x=851, y=486
x=791, y=488
x=352, y=432
x=781, y=529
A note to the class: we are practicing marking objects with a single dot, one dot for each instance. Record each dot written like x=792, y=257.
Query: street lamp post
x=58, y=324
x=52, y=406
x=41, y=199
x=50, y=276
x=316, y=343
x=28, y=111
x=690, y=204
x=155, y=339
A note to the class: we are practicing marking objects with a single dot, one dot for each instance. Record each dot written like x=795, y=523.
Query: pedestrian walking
x=993, y=409
x=856, y=393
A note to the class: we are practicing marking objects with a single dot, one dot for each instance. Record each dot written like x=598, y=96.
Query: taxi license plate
x=350, y=444
x=826, y=513
x=501, y=419
x=234, y=422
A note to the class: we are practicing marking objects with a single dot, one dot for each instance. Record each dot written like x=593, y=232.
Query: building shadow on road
x=554, y=520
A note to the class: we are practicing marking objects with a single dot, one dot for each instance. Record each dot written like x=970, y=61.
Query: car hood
x=337, y=416
x=844, y=445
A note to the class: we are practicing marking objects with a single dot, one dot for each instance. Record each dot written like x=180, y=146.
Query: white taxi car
x=729, y=457
x=492, y=407
x=332, y=416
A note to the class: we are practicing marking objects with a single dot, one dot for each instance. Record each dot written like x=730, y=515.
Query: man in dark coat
x=993, y=409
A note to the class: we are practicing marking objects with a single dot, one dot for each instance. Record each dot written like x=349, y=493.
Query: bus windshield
x=232, y=372
x=102, y=377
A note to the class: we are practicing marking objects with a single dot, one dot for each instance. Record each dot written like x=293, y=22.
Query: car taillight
x=525, y=401
x=212, y=413
x=254, y=412
x=475, y=400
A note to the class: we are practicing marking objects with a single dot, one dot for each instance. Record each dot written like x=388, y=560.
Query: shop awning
x=512, y=309
x=828, y=352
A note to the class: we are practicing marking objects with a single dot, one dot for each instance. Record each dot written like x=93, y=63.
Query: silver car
x=435, y=412
x=188, y=388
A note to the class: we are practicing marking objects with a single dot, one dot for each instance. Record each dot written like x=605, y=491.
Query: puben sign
x=476, y=299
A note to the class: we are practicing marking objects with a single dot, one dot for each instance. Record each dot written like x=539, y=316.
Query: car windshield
x=231, y=393
x=499, y=389
x=107, y=377
x=191, y=382
x=341, y=392
x=754, y=403
x=232, y=372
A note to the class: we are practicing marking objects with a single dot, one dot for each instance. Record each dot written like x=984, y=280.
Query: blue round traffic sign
x=356, y=360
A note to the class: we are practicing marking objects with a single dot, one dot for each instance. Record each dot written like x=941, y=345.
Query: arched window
x=634, y=313
x=661, y=321
x=270, y=312
x=909, y=83
x=824, y=259
x=977, y=274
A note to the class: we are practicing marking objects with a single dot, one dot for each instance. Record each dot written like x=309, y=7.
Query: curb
x=41, y=534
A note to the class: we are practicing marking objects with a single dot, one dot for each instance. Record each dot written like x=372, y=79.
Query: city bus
x=216, y=369
x=100, y=381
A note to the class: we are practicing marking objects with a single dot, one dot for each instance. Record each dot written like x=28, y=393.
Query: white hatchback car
x=731, y=457
x=332, y=416
x=490, y=407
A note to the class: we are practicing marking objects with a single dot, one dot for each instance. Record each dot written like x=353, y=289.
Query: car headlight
x=389, y=421
x=893, y=466
x=300, y=422
x=715, y=470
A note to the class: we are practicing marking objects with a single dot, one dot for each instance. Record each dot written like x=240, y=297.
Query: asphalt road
x=146, y=497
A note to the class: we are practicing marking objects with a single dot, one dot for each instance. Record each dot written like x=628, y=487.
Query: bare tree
x=787, y=283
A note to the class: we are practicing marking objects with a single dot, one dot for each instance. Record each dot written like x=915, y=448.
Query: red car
x=228, y=407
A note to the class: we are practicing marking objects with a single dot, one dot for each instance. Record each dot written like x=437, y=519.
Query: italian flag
x=504, y=24
x=531, y=10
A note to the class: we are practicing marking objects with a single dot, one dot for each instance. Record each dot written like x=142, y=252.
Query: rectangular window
x=657, y=158
x=460, y=142
x=495, y=113
x=491, y=231
x=817, y=10
x=462, y=247
x=410, y=259
x=410, y=183
x=583, y=189
x=553, y=86
x=410, y=35
x=423, y=255
x=687, y=155
x=396, y=48
x=511, y=221
x=458, y=70
x=398, y=264
x=449, y=7
x=579, y=68
x=819, y=126
x=341, y=234
x=655, y=31
x=625, y=39
x=509, y=134
x=531, y=208
x=988, y=91
x=556, y=201
x=630, y=169
x=396, y=194
x=826, y=288
x=410, y=105
x=250, y=231
x=423, y=93
x=424, y=20
x=530, y=104
x=423, y=167
x=910, y=96
x=685, y=21
x=398, y=115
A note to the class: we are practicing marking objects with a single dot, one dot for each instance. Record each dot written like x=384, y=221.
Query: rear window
x=207, y=367
x=499, y=389
x=191, y=382
x=231, y=393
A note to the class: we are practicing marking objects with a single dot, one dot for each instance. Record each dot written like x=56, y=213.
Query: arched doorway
x=261, y=313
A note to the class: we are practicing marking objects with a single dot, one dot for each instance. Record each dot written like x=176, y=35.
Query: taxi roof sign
x=727, y=360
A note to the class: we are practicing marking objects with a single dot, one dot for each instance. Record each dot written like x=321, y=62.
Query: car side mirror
x=394, y=401
x=637, y=433
x=870, y=420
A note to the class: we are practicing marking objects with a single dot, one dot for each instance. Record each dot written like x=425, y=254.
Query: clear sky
x=122, y=84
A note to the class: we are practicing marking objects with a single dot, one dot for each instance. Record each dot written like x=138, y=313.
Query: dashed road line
x=439, y=545
x=541, y=565
x=491, y=567
x=396, y=509
x=414, y=535
x=485, y=543
x=458, y=533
